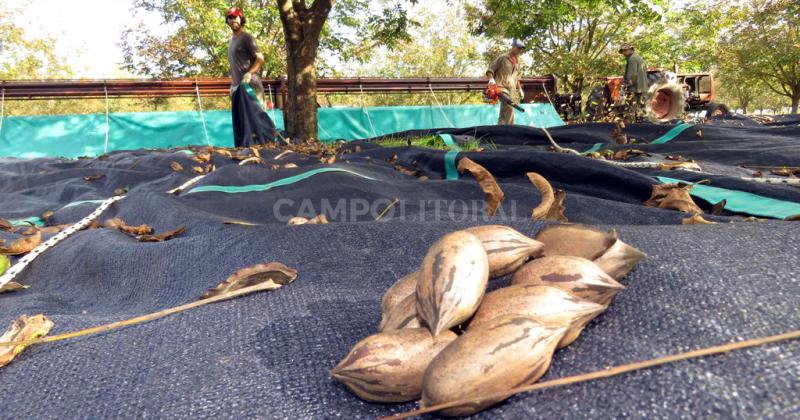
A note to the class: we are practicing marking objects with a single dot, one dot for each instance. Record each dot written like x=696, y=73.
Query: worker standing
x=251, y=124
x=635, y=79
x=504, y=73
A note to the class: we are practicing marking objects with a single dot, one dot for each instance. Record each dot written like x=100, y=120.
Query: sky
x=86, y=31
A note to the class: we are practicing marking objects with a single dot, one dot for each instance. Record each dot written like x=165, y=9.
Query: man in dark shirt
x=251, y=124
x=635, y=78
x=243, y=54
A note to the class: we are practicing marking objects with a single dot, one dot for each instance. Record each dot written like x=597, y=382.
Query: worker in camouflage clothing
x=635, y=78
x=504, y=72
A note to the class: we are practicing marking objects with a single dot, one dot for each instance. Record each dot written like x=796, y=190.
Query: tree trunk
x=795, y=102
x=302, y=26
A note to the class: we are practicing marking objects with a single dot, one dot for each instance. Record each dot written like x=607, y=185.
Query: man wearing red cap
x=243, y=54
x=251, y=124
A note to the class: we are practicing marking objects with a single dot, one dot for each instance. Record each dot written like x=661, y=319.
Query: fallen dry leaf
x=494, y=195
x=667, y=166
x=618, y=135
x=629, y=153
x=162, y=237
x=696, y=219
x=320, y=219
x=296, y=221
x=282, y=154
x=719, y=207
x=274, y=272
x=758, y=174
x=329, y=160
x=120, y=191
x=5, y=225
x=700, y=133
x=289, y=166
x=46, y=216
x=406, y=171
x=25, y=328
x=197, y=170
x=52, y=230
x=255, y=152
x=795, y=218
x=673, y=196
x=790, y=172
x=253, y=159
x=120, y=225
x=552, y=205
x=210, y=168
x=23, y=245
x=223, y=152
x=202, y=157
x=238, y=222
x=177, y=167
x=94, y=177
x=12, y=286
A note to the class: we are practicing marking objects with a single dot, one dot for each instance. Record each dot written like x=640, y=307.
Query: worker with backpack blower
x=503, y=76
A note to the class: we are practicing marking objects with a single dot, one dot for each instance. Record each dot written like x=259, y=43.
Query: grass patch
x=430, y=142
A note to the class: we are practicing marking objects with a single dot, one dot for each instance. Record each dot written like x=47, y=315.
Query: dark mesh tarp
x=269, y=355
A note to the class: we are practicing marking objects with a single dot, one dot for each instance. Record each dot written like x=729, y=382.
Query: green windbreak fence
x=72, y=136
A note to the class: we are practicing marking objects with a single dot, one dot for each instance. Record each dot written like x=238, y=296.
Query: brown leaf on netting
x=494, y=195
x=202, y=157
x=94, y=177
x=677, y=157
x=52, y=230
x=27, y=231
x=328, y=160
x=12, y=286
x=5, y=224
x=393, y=159
x=719, y=207
x=177, y=167
x=273, y=272
x=25, y=328
x=120, y=225
x=667, y=166
x=223, y=152
x=255, y=152
x=197, y=170
x=618, y=135
x=673, y=196
x=405, y=171
x=795, y=218
x=238, y=222
x=94, y=225
x=758, y=174
x=162, y=237
x=320, y=219
x=120, y=191
x=23, y=245
x=790, y=172
x=289, y=166
x=629, y=153
x=696, y=219
x=552, y=205
x=250, y=160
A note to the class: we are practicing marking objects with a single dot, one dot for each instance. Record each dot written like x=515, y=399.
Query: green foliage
x=764, y=45
x=574, y=40
x=430, y=142
x=26, y=57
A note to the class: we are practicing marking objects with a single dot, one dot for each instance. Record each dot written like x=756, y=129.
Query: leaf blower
x=494, y=92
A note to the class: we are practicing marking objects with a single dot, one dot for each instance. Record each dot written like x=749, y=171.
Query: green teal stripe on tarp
x=450, y=169
x=671, y=134
x=595, y=148
x=233, y=189
x=36, y=221
x=742, y=202
x=78, y=203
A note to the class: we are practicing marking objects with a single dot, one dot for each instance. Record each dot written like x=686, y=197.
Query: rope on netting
x=779, y=181
x=200, y=107
x=364, y=108
x=105, y=90
x=440, y=106
x=12, y=272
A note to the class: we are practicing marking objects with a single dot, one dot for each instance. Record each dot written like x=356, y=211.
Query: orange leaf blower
x=493, y=93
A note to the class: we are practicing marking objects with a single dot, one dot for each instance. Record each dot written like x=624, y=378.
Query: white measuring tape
x=29, y=257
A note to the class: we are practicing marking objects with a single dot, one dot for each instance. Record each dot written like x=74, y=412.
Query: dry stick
x=383, y=213
x=606, y=373
x=147, y=318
